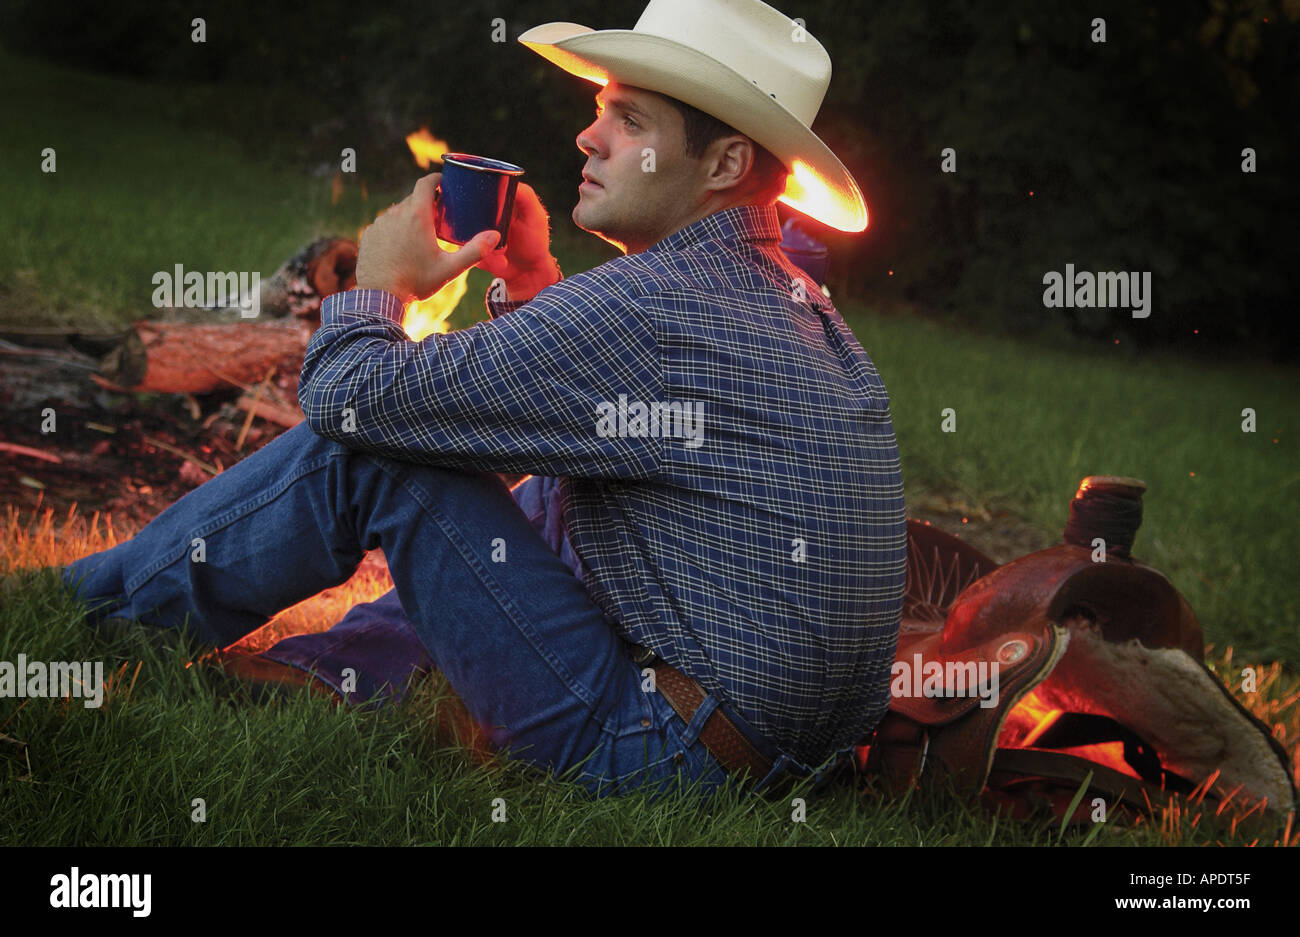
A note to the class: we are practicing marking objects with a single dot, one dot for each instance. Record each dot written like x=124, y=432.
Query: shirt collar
x=739, y=223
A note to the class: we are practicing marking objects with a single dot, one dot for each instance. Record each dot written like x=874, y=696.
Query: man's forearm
x=498, y=397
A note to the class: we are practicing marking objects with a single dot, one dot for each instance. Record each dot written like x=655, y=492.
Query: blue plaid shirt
x=727, y=466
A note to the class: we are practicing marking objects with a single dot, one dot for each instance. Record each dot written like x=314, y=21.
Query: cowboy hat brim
x=819, y=185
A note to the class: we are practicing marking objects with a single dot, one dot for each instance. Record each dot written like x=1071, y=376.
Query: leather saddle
x=1018, y=682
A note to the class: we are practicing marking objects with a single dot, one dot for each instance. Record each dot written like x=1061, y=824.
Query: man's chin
x=591, y=223
x=585, y=220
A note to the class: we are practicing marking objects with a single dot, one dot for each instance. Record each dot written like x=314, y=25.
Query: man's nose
x=588, y=141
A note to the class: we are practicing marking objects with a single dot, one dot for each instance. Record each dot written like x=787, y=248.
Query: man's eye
x=629, y=121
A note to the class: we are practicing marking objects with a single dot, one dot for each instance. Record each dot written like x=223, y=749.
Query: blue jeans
x=534, y=659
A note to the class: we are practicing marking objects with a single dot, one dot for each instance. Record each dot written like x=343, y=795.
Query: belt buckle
x=642, y=656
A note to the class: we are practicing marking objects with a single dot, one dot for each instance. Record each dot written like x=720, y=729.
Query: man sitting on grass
x=723, y=594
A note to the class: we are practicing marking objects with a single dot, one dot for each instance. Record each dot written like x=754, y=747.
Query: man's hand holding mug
x=526, y=264
x=399, y=252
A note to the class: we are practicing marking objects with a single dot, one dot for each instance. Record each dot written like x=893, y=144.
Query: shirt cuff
x=499, y=307
x=361, y=303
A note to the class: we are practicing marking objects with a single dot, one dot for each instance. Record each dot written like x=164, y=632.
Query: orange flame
x=425, y=147
x=1028, y=720
x=425, y=316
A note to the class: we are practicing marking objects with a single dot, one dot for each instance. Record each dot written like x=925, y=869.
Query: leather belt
x=720, y=736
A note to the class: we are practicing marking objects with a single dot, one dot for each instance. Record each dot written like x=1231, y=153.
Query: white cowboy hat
x=740, y=61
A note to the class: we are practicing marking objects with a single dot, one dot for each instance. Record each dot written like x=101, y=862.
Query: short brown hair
x=702, y=129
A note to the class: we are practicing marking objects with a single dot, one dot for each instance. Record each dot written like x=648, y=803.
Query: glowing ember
x=1030, y=718
x=1107, y=754
x=425, y=147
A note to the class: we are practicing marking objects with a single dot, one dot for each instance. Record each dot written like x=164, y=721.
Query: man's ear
x=732, y=159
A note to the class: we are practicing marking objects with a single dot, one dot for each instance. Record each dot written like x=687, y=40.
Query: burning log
x=185, y=354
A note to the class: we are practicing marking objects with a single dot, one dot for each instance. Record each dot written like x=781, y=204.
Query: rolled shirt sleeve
x=519, y=393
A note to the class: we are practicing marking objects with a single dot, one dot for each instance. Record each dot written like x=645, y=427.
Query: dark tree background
x=1132, y=149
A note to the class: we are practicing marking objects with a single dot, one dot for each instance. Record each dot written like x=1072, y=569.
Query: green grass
x=141, y=185
x=139, y=188
x=296, y=771
x=1031, y=421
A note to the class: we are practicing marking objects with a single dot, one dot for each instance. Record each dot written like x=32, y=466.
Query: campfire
x=190, y=350
x=426, y=148
x=424, y=317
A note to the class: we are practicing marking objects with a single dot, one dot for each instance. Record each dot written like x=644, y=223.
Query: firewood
x=296, y=289
x=28, y=451
x=183, y=357
x=272, y=413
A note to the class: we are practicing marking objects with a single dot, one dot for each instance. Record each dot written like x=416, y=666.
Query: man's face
x=633, y=207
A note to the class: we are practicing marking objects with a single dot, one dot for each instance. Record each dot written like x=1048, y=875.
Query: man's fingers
x=533, y=206
x=526, y=195
x=527, y=204
x=472, y=252
x=426, y=188
x=494, y=262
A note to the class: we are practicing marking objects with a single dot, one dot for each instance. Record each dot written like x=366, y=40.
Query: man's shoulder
x=632, y=274
x=704, y=268
x=619, y=289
